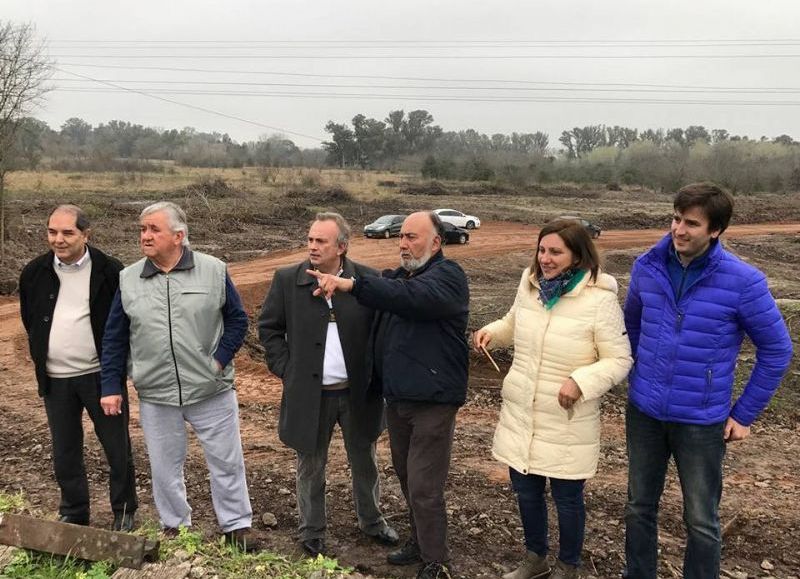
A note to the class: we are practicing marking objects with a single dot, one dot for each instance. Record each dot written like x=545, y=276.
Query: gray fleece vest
x=175, y=327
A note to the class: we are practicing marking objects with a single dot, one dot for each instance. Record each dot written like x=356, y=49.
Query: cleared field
x=262, y=226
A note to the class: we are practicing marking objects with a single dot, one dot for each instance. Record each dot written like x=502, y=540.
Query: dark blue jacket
x=420, y=344
x=685, y=351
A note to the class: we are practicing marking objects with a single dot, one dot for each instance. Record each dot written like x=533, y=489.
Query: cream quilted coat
x=582, y=336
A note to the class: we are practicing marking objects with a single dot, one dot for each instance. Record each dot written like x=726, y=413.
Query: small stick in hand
x=488, y=355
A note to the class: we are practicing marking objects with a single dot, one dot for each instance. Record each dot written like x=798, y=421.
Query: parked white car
x=457, y=218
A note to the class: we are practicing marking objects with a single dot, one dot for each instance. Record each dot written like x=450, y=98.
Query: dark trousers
x=335, y=408
x=64, y=404
x=568, y=496
x=421, y=438
x=698, y=451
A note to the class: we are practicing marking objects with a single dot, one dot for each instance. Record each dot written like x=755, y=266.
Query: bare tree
x=24, y=71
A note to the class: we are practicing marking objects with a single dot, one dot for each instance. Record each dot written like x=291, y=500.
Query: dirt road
x=493, y=238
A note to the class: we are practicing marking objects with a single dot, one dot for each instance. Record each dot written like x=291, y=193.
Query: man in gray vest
x=179, y=315
x=64, y=299
x=318, y=347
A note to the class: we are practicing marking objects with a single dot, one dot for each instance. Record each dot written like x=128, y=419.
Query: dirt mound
x=332, y=196
x=428, y=188
x=213, y=188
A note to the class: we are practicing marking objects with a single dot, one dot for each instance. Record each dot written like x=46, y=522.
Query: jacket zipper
x=667, y=286
x=680, y=287
x=172, y=345
x=549, y=315
x=709, y=376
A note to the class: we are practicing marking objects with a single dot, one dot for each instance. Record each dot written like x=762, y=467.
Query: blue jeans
x=698, y=451
x=568, y=496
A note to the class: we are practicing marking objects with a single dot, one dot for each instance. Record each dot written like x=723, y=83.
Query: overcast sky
x=493, y=66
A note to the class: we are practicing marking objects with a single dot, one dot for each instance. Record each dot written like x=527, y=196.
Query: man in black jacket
x=420, y=359
x=316, y=347
x=65, y=296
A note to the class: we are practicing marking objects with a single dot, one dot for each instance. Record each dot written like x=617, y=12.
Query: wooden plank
x=167, y=570
x=121, y=549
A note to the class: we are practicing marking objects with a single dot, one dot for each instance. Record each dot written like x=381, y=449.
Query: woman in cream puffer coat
x=570, y=347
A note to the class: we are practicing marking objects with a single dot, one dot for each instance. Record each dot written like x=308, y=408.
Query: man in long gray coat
x=318, y=348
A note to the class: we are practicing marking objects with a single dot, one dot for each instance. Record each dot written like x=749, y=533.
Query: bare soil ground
x=760, y=502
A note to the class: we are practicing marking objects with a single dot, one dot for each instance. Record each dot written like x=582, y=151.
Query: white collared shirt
x=60, y=265
x=334, y=370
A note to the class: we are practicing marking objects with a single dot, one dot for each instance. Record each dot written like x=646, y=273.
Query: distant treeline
x=611, y=155
x=119, y=145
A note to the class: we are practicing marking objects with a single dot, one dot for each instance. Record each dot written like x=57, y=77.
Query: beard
x=412, y=264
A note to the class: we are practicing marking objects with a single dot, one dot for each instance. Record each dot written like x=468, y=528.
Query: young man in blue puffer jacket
x=689, y=305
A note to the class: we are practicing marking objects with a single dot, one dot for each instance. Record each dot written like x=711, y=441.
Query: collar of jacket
x=604, y=281
x=659, y=254
x=98, y=260
x=402, y=272
x=185, y=262
x=348, y=270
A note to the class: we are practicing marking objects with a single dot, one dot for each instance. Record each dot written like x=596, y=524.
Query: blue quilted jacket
x=685, y=352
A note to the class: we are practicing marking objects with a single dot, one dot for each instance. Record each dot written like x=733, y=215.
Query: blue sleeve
x=116, y=342
x=440, y=293
x=234, y=322
x=633, y=311
x=763, y=323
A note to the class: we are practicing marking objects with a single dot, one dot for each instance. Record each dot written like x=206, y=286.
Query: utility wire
x=254, y=46
x=408, y=78
x=457, y=87
x=187, y=105
x=427, y=41
x=445, y=98
x=433, y=57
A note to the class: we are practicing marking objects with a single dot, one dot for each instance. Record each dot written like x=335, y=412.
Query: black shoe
x=243, y=540
x=74, y=520
x=314, y=547
x=123, y=522
x=386, y=536
x=408, y=554
x=434, y=570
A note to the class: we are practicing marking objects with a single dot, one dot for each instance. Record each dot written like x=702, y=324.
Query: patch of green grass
x=31, y=565
x=224, y=560
x=216, y=557
x=12, y=503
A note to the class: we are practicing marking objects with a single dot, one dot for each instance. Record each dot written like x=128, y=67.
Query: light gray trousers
x=216, y=424
x=363, y=466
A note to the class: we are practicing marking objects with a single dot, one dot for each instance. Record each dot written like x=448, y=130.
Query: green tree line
x=412, y=142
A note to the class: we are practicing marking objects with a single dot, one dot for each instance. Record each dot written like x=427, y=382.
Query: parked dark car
x=591, y=228
x=454, y=234
x=385, y=226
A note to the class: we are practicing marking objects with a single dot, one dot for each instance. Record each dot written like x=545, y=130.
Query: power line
x=446, y=98
x=195, y=107
x=254, y=46
x=433, y=57
x=409, y=78
x=461, y=87
x=425, y=41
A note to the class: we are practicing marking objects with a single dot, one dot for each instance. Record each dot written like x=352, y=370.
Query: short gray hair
x=176, y=217
x=341, y=223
